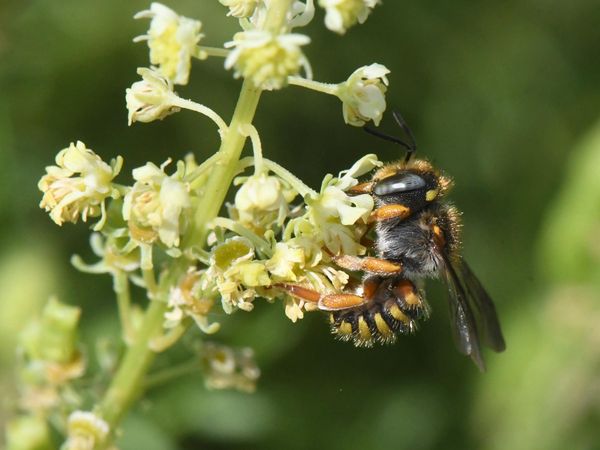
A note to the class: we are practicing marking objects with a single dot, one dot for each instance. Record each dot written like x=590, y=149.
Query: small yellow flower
x=342, y=14
x=285, y=262
x=172, y=40
x=240, y=8
x=363, y=95
x=85, y=431
x=78, y=185
x=188, y=299
x=155, y=206
x=265, y=58
x=150, y=99
x=227, y=368
x=236, y=275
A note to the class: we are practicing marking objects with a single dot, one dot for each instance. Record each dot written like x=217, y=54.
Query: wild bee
x=417, y=237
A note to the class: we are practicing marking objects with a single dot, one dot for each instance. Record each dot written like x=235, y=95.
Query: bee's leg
x=362, y=188
x=328, y=302
x=368, y=264
x=300, y=292
x=334, y=302
x=387, y=212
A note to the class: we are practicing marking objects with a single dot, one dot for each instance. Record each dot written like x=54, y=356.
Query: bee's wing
x=473, y=314
x=464, y=326
x=482, y=305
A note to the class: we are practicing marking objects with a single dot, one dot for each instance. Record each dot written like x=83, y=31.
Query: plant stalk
x=128, y=381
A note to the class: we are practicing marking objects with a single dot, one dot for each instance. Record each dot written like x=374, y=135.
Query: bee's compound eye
x=402, y=182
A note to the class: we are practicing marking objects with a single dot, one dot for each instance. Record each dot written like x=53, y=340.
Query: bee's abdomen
x=377, y=322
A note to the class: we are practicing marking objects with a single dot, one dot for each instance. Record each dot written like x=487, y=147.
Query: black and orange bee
x=417, y=237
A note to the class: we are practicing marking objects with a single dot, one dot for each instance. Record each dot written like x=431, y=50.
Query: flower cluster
x=246, y=264
x=266, y=58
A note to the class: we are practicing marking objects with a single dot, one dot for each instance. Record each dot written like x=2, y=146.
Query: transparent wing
x=462, y=319
x=482, y=306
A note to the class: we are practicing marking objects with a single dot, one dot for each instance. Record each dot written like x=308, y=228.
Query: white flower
x=172, y=40
x=363, y=95
x=78, y=185
x=240, y=8
x=265, y=58
x=299, y=14
x=85, y=431
x=342, y=14
x=114, y=258
x=155, y=206
x=150, y=99
x=262, y=194
x=333, y=216
x=228, y=368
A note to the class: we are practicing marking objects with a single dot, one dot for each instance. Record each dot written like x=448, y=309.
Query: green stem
x=128, y=381
x=121, y=285
x=199, y=108
x=170, y=373
x=151, y=286
x=296, y=183
x=201, y=170
x=218, y=183
x=326, y=88
x=125, y=385
x=203, y=52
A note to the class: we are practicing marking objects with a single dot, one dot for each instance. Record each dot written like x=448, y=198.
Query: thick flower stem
x=125, y=385
x=224, y=170
x=128, y=381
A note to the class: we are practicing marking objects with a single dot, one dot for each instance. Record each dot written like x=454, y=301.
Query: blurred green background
x=505, y=96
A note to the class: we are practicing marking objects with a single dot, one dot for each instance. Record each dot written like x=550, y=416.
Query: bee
x=417, y=237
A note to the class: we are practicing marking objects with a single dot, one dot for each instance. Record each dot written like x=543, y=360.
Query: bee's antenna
x=411, y=146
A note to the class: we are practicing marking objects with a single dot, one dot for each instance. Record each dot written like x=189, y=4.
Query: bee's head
x=414, y=184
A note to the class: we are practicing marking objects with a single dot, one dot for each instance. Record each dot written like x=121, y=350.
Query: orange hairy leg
x=368, y=264
x=387, y=212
